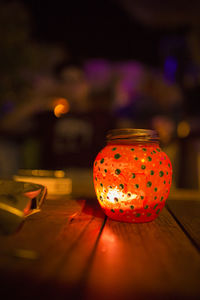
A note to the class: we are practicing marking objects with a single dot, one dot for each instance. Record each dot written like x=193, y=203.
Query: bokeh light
x=183, y=129
x=60, y=107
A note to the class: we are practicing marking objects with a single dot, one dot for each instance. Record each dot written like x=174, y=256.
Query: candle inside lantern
x=132, y=178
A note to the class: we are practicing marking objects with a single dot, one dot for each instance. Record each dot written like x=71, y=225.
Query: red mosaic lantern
x=132, y=175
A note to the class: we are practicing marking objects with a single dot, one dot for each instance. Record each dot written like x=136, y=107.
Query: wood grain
x=145, y=261
x=187, y=214
x=63, y=235
x=77, y=254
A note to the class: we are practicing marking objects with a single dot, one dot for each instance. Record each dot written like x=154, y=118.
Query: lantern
x=132, y=175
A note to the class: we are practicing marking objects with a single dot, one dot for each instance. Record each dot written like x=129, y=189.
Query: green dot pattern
x=117, y=171
x=149, y=184
x=161, y=173
x=143, y=164
x=121, y=186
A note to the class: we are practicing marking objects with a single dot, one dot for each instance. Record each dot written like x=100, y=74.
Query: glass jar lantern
x=132, y=175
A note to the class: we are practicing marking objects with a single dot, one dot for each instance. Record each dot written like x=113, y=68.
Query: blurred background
x=72, y=70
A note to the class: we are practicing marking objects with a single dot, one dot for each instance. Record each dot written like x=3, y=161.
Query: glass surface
x=132, y=179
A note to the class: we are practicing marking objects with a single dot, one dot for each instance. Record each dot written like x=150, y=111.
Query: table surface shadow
x=70, y=250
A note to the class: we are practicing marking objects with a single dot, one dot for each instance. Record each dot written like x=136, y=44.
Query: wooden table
x=70, y=250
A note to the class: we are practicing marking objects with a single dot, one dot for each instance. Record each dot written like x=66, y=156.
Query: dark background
x=107, y=64
x=90, y=29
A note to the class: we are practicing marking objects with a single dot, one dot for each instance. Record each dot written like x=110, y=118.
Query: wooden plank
x=187, y=214
x=63, y=236
x=77, y=260
x=41, y=226
x=144, y=261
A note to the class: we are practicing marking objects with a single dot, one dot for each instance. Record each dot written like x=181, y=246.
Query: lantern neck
x=132, y=136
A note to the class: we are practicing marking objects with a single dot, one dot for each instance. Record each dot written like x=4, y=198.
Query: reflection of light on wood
x=108, y=236
x=61, y=107
x=183, y=129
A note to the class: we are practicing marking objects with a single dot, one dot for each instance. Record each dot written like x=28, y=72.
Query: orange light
x=132, y=181
x=58, y=110
x=27, y=208
x=59, y=174
x=61, y=107
x=183, y=129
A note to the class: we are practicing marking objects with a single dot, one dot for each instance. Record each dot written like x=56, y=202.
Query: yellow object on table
x=55, y=181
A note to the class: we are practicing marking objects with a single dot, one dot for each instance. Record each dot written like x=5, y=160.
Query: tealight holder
x=132, y=175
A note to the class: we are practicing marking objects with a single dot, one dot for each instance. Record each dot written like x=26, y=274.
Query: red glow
x=27, y=208
x=132, y=182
